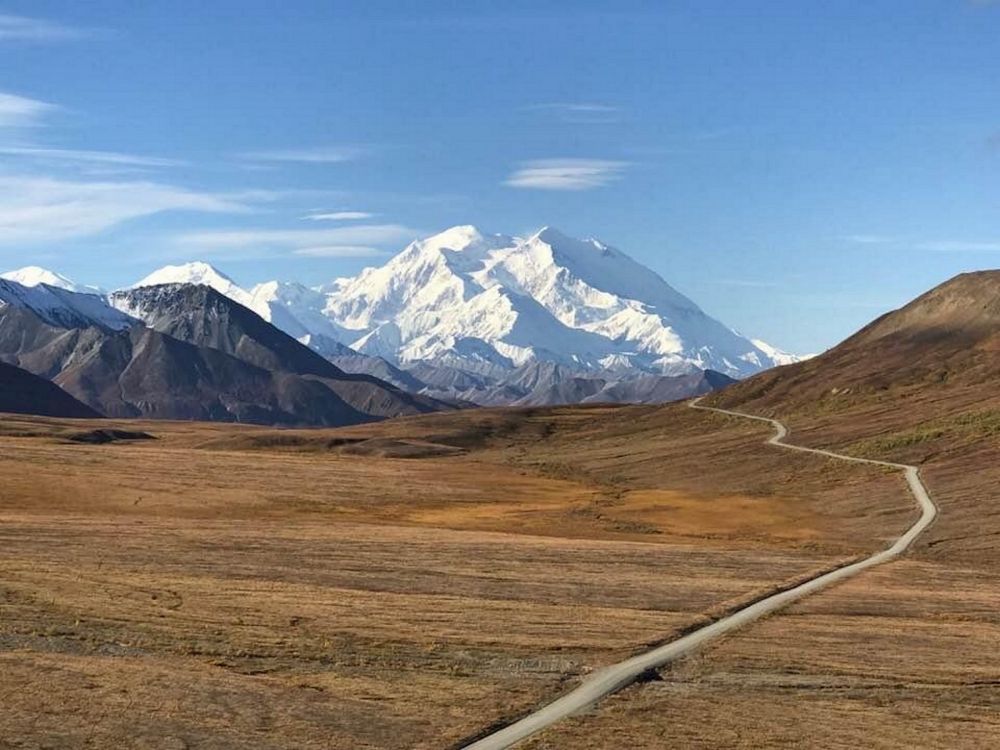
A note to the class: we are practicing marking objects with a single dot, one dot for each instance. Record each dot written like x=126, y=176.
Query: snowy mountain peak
x=197, y=273
x=32, y=276
x=556, y=238
x=463, y=294
x=61, y=307
x=551, y=236
x=471, y=300
x=778, y=356
x=567, y=250
x=455, y=238
x=465, y=240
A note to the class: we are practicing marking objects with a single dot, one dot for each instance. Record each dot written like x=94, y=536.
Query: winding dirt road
x=609, y=680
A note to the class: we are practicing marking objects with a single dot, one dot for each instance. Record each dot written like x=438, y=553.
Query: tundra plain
x=402, y=584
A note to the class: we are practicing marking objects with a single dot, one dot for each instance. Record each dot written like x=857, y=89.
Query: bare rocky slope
x=24, y=393
x=206, y=358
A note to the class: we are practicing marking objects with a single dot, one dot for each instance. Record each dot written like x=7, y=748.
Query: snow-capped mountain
x=461, y=316
x=464, y=297
x=197, y=273
x=779, y=357
x=295, y=309
x=62, y=307
x=491, y=303
x=32, y=276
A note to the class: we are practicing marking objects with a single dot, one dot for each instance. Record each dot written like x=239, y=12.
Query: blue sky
x=796, y=168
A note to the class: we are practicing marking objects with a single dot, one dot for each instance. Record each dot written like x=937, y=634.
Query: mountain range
x=458, y=318
x=195, y=354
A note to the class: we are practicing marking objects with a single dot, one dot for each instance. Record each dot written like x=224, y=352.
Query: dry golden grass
x=906, y=656
x=242, y=587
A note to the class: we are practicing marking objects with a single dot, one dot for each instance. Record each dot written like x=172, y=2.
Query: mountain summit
x=32, y=276
x=197, y=273
x=290, y=306
x=474, y=299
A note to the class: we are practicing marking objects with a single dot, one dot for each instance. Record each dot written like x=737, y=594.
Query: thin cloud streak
x=579, y=112
x=960, y=246
x=340, y=251
x=872, y=239
x=44, y=209
x=566, y=174
x=21, y=111
x=362, y=235
x=316, y=155
x=24, y=29
x=96, y=157
x=339, y=216
x=575, y=107
x=933, y=246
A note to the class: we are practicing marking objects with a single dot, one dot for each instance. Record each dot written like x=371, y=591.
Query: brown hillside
x=939, y=354
x=918, y=385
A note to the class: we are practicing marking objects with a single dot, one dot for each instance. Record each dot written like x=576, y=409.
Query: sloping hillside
x=204, y=317
x=936, y=358
x=24, y=393
x=918, y=385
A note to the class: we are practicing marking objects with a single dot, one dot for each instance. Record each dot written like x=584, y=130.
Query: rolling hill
x=937, y=356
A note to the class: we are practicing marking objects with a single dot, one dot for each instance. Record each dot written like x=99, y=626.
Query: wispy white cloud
x=301, y=241
x=566, y=174
x=20, y=111
x=895, y=242
x=24, y=29
x=934, y=246
x=871, y=239
x=96, y=157
x=960, y=246
x=339, y=216
x=315, y=155
x=579, y=112
x=43, y=209
x=340, y=251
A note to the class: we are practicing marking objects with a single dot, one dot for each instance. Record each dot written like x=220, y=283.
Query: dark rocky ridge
x=21, y=392
x=201, y=316
x=234, y=367
x=551, y=384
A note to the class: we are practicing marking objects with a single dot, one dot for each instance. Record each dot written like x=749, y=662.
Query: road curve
x=608, y=680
